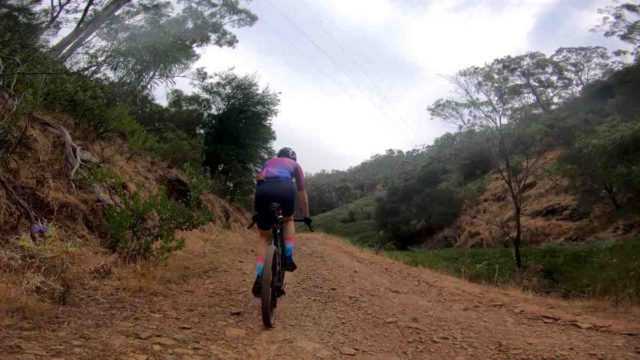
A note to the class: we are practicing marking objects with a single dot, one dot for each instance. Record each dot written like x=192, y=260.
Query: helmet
x=287, y=152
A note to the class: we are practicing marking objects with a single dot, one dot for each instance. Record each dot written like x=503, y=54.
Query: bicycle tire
x=268, y=297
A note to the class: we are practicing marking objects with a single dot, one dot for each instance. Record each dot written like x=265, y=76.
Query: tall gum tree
x=505, y=98
x=139, y=43
x=622, y=20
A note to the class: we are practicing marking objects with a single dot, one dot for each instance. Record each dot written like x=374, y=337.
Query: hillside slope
x=551, y=213
x=343, y=302
x=38, y=276
x=354, y=221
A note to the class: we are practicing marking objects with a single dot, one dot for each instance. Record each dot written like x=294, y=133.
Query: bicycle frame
x=277, y=240
x=274, y=273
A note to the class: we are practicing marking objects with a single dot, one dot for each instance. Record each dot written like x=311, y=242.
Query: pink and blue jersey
x=281, y=168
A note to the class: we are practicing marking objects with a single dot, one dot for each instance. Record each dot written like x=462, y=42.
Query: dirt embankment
x=37, y=276
x=551, y=214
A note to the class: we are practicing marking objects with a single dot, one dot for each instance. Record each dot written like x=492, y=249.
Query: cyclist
x=275, y=184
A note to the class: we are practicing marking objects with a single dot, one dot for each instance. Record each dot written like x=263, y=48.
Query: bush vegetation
x=354, y=221
x=598, y=269
x=145, y=228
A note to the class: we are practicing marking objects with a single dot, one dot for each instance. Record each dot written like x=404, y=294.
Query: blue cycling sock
x=259, y=266
x=289, y=245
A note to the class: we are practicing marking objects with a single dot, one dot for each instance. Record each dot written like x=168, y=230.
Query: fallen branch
x=21, y=138
x=72, y=152
x=37, y=225
x=8, y=103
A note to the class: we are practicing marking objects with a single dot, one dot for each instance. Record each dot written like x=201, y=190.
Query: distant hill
x=330, y=190
x=354, y=221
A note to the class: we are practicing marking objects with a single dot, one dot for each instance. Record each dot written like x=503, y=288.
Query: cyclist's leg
x=288, y=202
x=261, y=250
x=289, y=242
x=264, y=223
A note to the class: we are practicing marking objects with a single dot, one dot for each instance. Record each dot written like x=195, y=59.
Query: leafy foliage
x=145, y=229
x=331, y=190
x=606, y=269
x=137, y=44
x=623, y=21
x=508, y=98
x=101, y=175
x=607, y=160
x=19, y=36
x=237, y=131
x=199, y=183
x=354, y=221
x=417, y=207
x=425, y=200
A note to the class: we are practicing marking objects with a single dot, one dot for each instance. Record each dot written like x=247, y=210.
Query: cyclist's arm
x=261, y=175
x=303, y=198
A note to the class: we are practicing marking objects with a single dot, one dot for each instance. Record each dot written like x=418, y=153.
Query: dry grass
x=485, y=221
x=16, y=303
x=35, y=278
x=194, y=261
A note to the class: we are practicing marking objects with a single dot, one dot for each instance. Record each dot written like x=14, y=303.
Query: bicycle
x=273, y=276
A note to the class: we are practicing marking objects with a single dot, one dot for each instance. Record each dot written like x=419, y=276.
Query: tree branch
x=55, y=14
x=84, y=13
x=72, y=152
x=23, y=206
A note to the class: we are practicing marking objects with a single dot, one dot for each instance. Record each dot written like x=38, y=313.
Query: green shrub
x=139, y=140
x=144, y=229
x=471, y=191
x=178, y=148
x=599, y=269
x=362, y=231
x=101, y=175
x=350, y=218
x=199, y=181
x=607, y=160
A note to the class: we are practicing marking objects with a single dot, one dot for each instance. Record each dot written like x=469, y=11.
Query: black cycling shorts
x=268, y=192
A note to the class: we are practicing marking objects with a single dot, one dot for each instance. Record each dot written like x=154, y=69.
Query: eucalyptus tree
x=584, y=65
x=501, y=99
x=622, y=20
x=506, y=97
x=237, y=130
x=139, y=43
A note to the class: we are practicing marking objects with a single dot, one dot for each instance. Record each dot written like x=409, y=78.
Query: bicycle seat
x=275, y=206
x=276, y=210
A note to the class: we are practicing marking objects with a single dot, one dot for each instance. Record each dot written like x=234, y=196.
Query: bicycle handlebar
x=304, y=221
x=253, y=223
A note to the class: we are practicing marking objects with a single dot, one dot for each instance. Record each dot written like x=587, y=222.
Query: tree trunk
x=7, y=102
x=76, y=38
x=23, y=206
x=516, y=240
x=612, y=196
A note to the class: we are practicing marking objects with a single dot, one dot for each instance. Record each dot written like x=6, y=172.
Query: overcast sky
x=356, y=76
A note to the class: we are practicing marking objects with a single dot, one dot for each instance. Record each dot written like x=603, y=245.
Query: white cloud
x=344, y=122
x=449, y=36
x=364, y=12
x=359, y=76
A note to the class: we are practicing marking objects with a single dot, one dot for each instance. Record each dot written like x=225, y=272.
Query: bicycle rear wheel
x=269, y=297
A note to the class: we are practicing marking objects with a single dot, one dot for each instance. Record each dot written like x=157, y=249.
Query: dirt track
x=342, y=303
